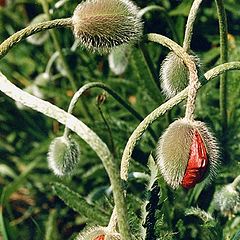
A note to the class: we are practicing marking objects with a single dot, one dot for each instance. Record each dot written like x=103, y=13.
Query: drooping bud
x=98, y=233
x=187, y=153
x=174, y=74
x=103, y=24
x=227, y=200
x=118, y=58
x=63, y=156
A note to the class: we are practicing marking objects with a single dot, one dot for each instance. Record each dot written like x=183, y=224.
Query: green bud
x=174, y=74
x=103, y=24
x=63, y=156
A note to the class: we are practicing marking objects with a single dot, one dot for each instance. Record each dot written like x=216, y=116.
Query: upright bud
x=174, y=74
x=63, y=156
x=103, y=24
x=187, y=153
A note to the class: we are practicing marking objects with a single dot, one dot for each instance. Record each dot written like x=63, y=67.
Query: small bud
x=98, y=233
x=187, y=153
x=39, y=38
x=103, y=24
x=63, y=156
x=174, y=74
x=118, y=59
x=227, y=201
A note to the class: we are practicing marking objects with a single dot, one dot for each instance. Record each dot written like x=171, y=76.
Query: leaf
x=237, y=236
x=51, y=227
x=79, y=204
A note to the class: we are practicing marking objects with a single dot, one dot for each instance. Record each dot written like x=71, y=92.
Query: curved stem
x=86, y=134
x=30, y=30
x=190, y=22
x=57, y=46
x=223, y=79
x=153, y=116
x=236, y=182
x=168, y=19
x=114, y=94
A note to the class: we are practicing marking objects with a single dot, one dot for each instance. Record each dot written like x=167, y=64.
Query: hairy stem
x=114, y=94
x=58, y=47
x=190, y=22
x=153, y=116
x=86, y=134
x=236, y=182
x=223, y=78
x=30, y=30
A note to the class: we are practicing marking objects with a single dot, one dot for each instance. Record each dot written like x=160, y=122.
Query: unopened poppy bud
x=102, y=24
x=63, y=156
x=174, y=75
x=227, y=200
x=98, y=233
x=187, y=153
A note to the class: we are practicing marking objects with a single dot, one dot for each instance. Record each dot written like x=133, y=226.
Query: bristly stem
x=190, y=22
x=30, y=30
x=236, y=182
x=223, y=78
x=58, y=48
x=87, y=135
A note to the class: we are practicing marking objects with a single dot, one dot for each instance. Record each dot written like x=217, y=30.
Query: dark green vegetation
x=35, y=204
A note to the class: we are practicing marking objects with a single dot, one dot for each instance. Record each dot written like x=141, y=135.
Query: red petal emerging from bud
x=197, y=164
x=102, y=237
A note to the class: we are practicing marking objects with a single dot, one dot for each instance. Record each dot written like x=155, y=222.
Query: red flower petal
x=197, y=164
x=2, y=3
x=102, y=237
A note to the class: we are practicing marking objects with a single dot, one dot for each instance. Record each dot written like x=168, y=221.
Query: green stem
x=153, y=116
x=58, y=48
x=87, y=135
x=223, y=78
x=236, y=182
x=190, y=23
x=114, y=94
x=30, y=30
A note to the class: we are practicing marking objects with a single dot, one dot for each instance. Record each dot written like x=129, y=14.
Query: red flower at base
x=102, y=237
x=197, y=164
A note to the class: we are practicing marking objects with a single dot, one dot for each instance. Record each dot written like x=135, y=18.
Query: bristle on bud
x=101, y=25
x=63, y=156
x=187, y=153
x=174, y=74
x=98, y=233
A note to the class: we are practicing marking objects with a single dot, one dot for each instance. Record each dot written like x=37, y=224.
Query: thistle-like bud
x=174, y=75
x=187, y=153
x=63, y=156
x=99, y=233
x=227, y=200
x=103, y=24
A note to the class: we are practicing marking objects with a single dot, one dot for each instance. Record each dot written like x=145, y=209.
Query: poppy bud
x=98, y=233
x=102, y=24
x=187, y=153
x=227, y=200
x=63, y=156
x=174, y=74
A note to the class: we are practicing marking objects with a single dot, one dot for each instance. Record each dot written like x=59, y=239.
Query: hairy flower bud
x=227, y=200
x=98, y=233
x=63, y=156
x=174, y=74
x=103, y=24
x=187, y=153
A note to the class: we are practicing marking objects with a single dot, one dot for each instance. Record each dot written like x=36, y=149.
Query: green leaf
x=51, y=227
x=79, y=204
x=237, y=236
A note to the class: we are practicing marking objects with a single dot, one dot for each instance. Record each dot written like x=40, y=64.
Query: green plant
x=186, y=154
